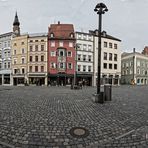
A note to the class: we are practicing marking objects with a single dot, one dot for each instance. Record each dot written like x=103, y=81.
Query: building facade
x=134, y=68
x=84, y=58
x=37, y=59
x=110, y=59
x=5, y=59
x=61, y=54
x=19, y=59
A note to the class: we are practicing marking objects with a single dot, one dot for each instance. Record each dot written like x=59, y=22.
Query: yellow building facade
x=19, y=51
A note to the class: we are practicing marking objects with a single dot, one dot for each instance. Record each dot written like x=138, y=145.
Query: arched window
x=71, y=35
x=51, y=35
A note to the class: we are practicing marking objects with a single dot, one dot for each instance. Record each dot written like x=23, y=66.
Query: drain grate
x=79, y=132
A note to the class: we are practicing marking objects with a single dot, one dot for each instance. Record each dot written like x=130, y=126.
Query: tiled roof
x=62, y=31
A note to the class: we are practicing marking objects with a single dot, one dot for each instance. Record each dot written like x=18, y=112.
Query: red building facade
x=61, y=54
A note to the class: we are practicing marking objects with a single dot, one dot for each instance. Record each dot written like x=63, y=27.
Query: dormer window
x=71, y=35
x=51, y=35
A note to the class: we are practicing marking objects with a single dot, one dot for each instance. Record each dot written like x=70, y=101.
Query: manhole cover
x=79, y=132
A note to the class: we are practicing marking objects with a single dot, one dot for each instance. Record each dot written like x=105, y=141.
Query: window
x=138, y=71
x=23, y=60
x=52, y=43
x=14, y=61
x=61, y=44
x=30, y=48
x=110, y=66
x=115, y=66
x=8, y=64
x=84, y=46
x=115, y=46
x=15, y=71
x=23, y=50
x=131, y=63
x=79, y=36
x=84, y=37
x=89, y=47
x=22, y=43
x=36, y=58
x=30, y=58
x=110, y=56
x=14, y=44
x=5, y=54
x=89, y=37
x=31, y=41
x=84, y=57
x=72, y=35
x=84, y=68
x=79, y=57
x=105, y=65
x=30, y=68
x=36, y=68
x=89, y=68
x=105, y=44
x=79, y=67
x=42, y=47
x=23, y=70
x=42, y=58
x=42, y=40
x=69, y=65
x=8, y=53
x=5, y=65
x=0, y=65
x=36, y=47
x=62, y=65
x=110, y=45
x=36, y=40
x=9, y=44
x=52, y=54
x=42, y=68
x=70, y=44
x=52, y=65
x=61, y=53
x=14, y=52
x=89, y=58
x=105, y=55
x=51, y=35
x=69, y=54
x=115, y=57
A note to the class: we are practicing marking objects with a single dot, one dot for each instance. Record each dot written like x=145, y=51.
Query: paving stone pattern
x=42, y=117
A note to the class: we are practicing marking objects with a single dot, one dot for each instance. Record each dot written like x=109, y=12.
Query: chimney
x=134, y=50
x=58, y=22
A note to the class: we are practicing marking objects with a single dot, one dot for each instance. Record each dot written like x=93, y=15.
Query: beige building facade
x=37, y=59
x=19, y=59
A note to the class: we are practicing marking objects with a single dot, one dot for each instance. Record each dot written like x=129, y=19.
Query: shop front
x=37, y=79
x=84, y=79
x=60, y=79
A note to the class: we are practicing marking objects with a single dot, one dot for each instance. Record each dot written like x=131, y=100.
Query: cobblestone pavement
x=42, y=117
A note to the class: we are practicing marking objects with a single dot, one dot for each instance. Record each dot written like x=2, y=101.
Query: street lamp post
x=100, y=9
x=75, y=74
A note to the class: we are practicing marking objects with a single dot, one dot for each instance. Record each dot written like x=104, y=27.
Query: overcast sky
x=126, y=19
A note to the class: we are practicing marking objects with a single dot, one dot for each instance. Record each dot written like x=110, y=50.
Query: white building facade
x=5, y=59
x=134, y=68
x=84, y=58
x=110, y=59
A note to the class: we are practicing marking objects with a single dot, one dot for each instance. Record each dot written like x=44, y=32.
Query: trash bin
x=107, y=92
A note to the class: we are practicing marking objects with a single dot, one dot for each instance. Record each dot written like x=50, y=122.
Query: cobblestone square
x=42, y=117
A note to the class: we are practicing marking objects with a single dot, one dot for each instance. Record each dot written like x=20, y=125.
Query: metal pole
x=134, y=65
x=99, y=52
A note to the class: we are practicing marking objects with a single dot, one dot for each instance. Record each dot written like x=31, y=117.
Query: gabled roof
x=61, y=31
x=103, y=35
